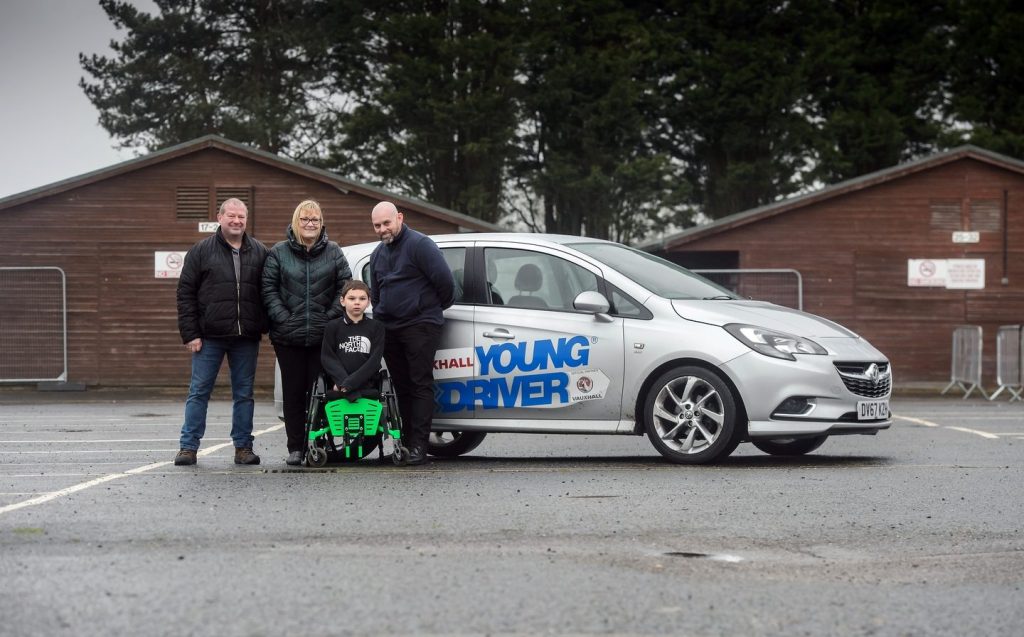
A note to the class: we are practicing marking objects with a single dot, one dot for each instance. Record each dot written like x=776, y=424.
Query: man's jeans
x=206, y=363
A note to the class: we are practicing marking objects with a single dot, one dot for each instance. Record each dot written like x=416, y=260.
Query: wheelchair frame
x=365, y=418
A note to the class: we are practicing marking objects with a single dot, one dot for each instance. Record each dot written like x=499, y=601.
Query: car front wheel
x=690, y=416
x=449, y=444
x=790, y=446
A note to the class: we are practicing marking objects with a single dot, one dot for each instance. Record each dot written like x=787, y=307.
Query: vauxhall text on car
x=562, y=334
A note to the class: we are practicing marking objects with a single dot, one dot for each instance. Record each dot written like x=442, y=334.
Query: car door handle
x=500, y=333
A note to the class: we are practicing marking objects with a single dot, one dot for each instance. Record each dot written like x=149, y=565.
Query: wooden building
x=105, y=227
x=853, y=244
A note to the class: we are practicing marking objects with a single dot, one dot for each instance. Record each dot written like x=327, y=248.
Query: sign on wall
x=951, y=274
x=167, y=265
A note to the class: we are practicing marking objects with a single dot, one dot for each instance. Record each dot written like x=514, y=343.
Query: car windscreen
x=661, y=277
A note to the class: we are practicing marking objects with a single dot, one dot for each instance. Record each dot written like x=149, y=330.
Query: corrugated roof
x=226, y=145
x=845, y=187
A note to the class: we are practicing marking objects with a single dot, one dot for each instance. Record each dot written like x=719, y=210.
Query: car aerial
x=567, y=334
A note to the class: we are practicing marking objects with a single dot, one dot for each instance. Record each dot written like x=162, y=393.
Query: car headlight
x=772, y=343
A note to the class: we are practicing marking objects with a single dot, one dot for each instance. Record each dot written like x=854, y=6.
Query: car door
x=538, y=363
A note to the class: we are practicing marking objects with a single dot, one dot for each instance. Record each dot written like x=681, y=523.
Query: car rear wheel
x=691, y=416
x=790, y=446
x=449, y=444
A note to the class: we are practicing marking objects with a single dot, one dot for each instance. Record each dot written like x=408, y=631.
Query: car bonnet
x=760, y=314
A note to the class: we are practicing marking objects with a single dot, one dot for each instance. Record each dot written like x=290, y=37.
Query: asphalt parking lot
x=919, y=530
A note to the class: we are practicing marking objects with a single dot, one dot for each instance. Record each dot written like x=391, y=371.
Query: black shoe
x=417, y=455
x=294, y=458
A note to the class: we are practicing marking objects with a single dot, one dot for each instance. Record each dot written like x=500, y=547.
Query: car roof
x=530, y=238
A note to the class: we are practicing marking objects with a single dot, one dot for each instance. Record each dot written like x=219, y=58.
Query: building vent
x=986, y=216
x=193, y=202
x=946, y=214
x=242, y=194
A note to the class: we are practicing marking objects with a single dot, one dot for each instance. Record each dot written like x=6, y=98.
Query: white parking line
x=67, y=451
x=114, y=476
x=983, y=434
x=75, y=441
x=928, y=423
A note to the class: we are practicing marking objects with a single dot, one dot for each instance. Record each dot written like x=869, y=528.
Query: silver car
x=563, y=334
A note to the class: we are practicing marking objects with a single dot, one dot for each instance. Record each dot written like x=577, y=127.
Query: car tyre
x=690, y=416
x=450, y=444
x=790, y=446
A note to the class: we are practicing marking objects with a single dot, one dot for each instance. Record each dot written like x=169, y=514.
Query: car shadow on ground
x=526, y=463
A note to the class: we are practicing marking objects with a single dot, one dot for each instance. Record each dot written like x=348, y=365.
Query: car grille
x=862, y=380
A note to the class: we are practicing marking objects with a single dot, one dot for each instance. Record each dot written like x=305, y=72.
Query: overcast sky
x=48, y=128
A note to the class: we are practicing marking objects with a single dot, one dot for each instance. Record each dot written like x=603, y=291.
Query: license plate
x=872, y=409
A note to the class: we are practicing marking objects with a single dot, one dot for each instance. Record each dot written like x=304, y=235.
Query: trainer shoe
x=185, y=457
x=294, y=458
x=244, y=455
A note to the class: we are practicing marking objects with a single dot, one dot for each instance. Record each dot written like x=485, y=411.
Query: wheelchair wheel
x=316, y=457
x=400, y=455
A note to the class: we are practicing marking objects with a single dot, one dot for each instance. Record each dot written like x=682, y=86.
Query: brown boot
x=185, y=457
x=244, y=455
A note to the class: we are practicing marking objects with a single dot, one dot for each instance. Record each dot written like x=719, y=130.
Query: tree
x=242, y=69
x=434, y=113
x=987, y=80
x=734, y=103
x=876, y=70
x=586, y=162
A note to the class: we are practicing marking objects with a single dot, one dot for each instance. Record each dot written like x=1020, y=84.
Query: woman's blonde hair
x=307, y=207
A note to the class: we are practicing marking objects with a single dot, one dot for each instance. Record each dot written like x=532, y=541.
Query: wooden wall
x=852, y=251
x=122, y=322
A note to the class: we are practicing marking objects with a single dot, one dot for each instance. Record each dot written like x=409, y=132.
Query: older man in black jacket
x=410, y=286
x=220, y=313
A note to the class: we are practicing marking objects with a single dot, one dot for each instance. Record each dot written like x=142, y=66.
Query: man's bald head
x=387, y=221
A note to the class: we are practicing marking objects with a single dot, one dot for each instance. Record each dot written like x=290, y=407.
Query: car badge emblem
x=872, y=373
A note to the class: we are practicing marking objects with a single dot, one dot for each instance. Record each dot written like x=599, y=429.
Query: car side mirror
x=592, y=302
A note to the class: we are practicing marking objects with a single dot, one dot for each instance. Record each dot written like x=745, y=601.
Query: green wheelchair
x=339, y=430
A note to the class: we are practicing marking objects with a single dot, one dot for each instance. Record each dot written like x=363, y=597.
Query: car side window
x=456, y=260
x=454, y=257
x=623, y=305
x=522, y=278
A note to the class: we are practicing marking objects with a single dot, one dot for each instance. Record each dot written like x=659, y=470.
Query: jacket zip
x=305, y=339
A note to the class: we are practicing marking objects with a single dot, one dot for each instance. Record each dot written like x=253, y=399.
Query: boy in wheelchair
x=352, y=408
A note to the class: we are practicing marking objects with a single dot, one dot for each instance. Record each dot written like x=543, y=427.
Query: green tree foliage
x=597, y=117
x=987, y=83
x=234, y=67
x=734, y=101
x=585, y=159
x=876, y=70
x=434, y=112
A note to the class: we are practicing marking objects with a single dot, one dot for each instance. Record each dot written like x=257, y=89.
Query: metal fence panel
x=966, y=364
x=1008, y=362
x=33, y=324
x=779, y=286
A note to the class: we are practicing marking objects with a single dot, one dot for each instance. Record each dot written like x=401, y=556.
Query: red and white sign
x=167, y=265
x=951, y=274
x=926, y=273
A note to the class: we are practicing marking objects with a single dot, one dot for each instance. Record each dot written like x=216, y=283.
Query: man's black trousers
x=409, y=352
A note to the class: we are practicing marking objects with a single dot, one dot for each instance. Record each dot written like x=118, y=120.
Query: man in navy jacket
x=410, y=286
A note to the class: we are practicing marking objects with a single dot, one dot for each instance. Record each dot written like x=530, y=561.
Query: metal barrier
x=1008, y=362
x=779, y=286
x=966, y=365
x=33, y=324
